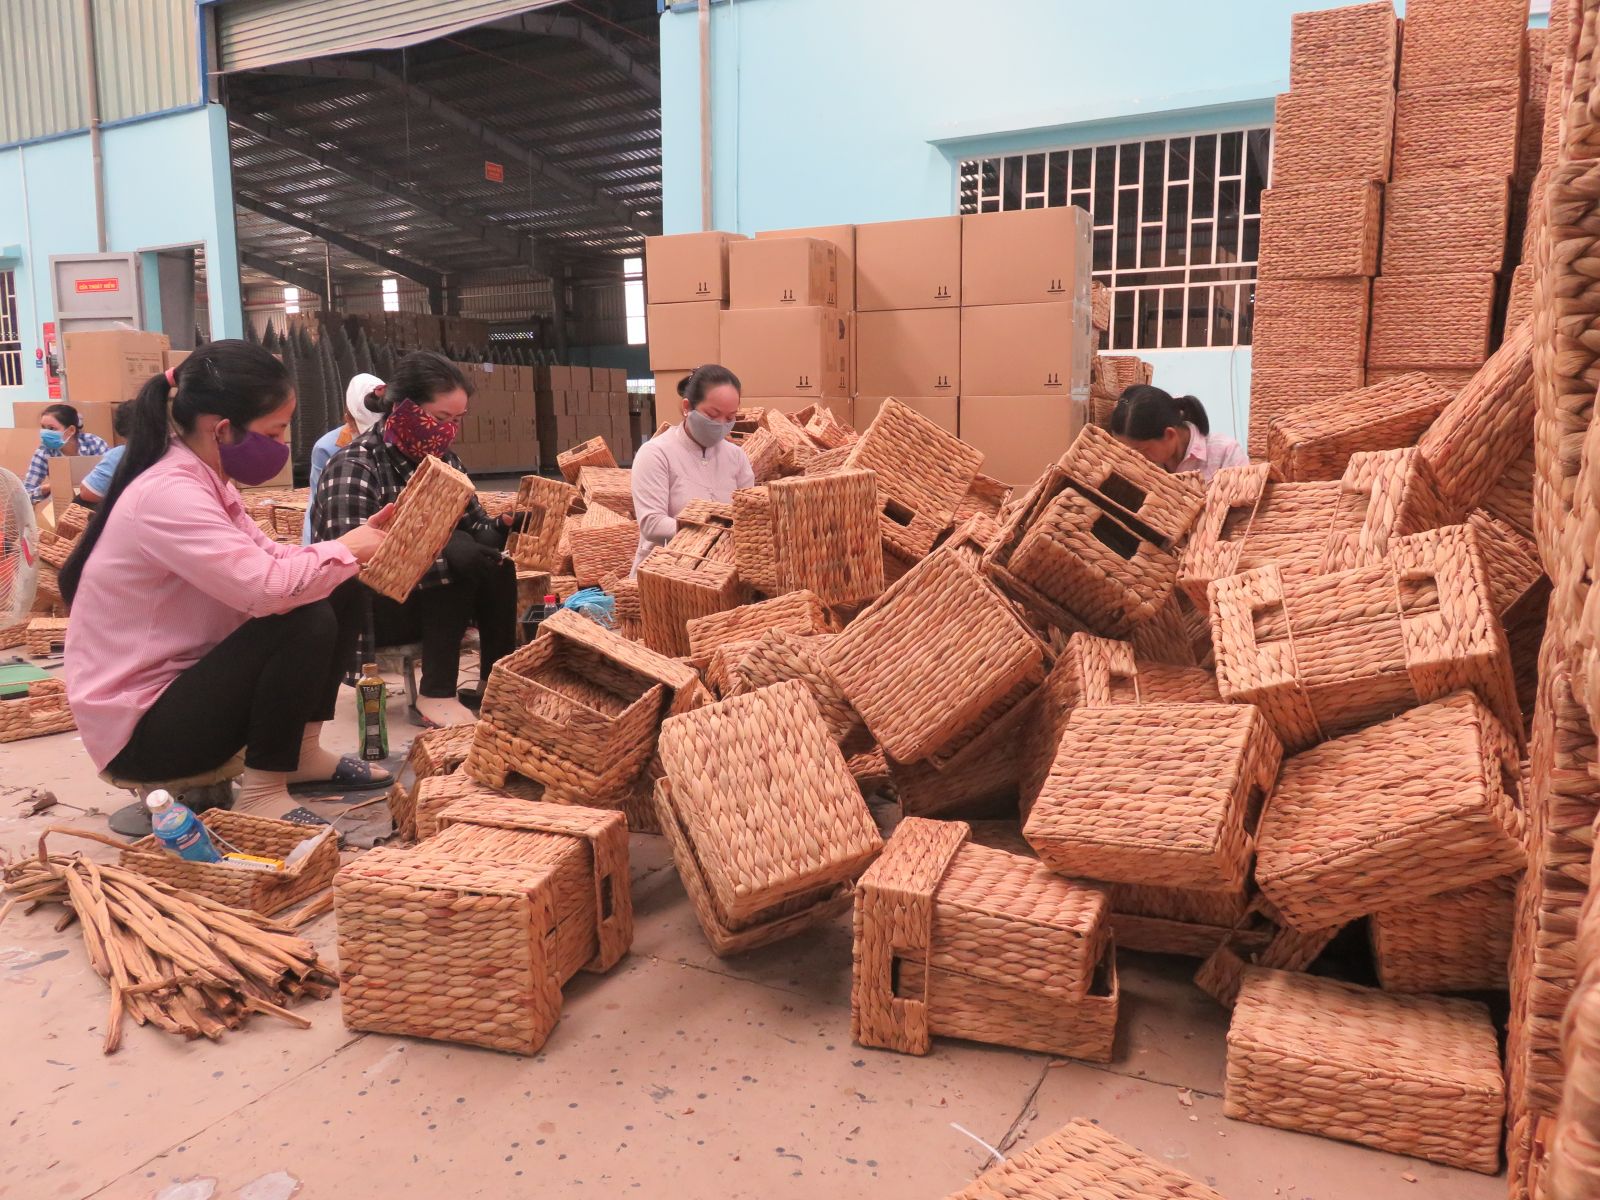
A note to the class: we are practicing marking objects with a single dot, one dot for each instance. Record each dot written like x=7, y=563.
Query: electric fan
x=19, y=550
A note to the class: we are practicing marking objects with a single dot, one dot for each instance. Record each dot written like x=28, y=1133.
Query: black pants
x=257, y=689
x=438, y=617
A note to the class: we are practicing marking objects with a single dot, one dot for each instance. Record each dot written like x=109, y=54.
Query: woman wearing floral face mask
x=60, y=434
x=691, y=461
x=472, y=582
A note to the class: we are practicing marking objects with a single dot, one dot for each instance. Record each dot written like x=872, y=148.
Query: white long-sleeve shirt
x=672, y=469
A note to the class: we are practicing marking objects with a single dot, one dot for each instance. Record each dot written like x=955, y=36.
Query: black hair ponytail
x=229, y=379
x=1144, y=412
x=694, y=386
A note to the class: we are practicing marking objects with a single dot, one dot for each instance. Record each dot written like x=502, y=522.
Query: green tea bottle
x=372, y=713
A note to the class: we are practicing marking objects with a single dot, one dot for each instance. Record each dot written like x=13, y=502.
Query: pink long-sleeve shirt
x=672, y=469
x=179, y=566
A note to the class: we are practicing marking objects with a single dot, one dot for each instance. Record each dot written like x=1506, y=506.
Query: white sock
x=315, y=763
x=264, y=793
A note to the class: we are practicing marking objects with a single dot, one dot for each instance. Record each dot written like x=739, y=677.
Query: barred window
x=10, y=335
x=1177, y=227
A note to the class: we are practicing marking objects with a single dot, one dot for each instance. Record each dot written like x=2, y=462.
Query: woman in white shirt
x=1173, y=432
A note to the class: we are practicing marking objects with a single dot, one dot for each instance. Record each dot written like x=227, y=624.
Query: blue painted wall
x=168, y=182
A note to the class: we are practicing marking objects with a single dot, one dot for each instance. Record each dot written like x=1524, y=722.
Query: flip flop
x=351, y=775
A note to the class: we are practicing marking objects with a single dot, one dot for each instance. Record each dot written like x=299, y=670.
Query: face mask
x=254, y=460
x=416, y=434
x=52, y=439
x=706, y=431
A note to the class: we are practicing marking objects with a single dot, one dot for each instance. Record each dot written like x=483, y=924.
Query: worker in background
x=1173, y=432
x=693, y=460
x=363, y=405
x=471, y=583
x=61, y=434
x=193, y=634
x=97, y=482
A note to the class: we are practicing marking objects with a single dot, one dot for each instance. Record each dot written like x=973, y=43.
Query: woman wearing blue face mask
x=693, y=460
x=60, y=434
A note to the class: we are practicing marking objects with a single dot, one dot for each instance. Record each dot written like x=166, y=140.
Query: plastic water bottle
x=535, y=616
x=178, y=829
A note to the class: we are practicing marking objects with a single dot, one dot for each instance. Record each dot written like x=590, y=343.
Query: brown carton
x=908, y=352
x=1026, y=256
x=96, y=416
x=1024, y=350
x=683, y=336
x=171, y=358
x=941, y=410
x=1019, y=435
x=909, y=264
x=788, y=351
x=684, y=267
x=17, y=447
x=843, y=238
x=782, y=272
x=111, y=364
x=667, y=389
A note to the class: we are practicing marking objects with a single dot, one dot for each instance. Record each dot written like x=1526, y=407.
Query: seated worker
x=363, y=405
x=693, y=460
x=60, y=434
x=1173, y=432
x=193, y=634
x=97, y=483
x=471, y=582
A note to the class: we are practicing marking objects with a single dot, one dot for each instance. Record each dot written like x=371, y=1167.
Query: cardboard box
x=843, y=238
x=95, y=415
x=111, y=364
x=908, y=352
x=683, y=336
x=1019, y=435
x=668, y=411
x=1025, y=350
x=552, y=379
x=683, y=267
x=1026, y=256
x=908, y=264
x=66, y=473
x=17, y=447
x=667, y=389
x=779, y=272
x=788, y=351
x=171, y=358
x=941, y=410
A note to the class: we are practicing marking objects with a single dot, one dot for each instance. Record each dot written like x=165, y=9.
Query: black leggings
x=257, y=690
x=485, y=596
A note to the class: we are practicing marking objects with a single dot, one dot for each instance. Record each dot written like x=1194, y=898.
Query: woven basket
x=1357, y=46
x=824, y=428
x=1078, y=1161
x=981, y=780
x=593, y=453
x=43, y=710
x=14, y=632
x=438, y=792
x=1323, y=655
x=543, y=505
x=1160, y=794
x=1577, y=138
x=818, y=533
x=985, y=498
x=1278, y=391
x=1520, y=594
x=830, y=460
x=1519, y=304
x=601, y=552
x=923, y=472
x=1321, y=229
x=1411, y=1075
x=74, y=519
x=1099, y=306
x=46, y=635
x=1431, y=321
x=1456, y=941
x=936, y=916
x=1486, y=426
x=1302, y=323
x=1316, y=442
x=1446, y=224
x=54, y=549
x=433, y=752
x=1332, y=136
x=926, y=661
x=1446, y=42
x=777, y=657
x=769, y=859
x=675, y=587
x=429, y=507
x=1222, y=973
x=264, y=892
x=1466, y=129
x=607, y=487
x=799, y=613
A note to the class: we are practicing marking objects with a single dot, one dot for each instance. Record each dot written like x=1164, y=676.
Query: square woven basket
x=438, y=792
x=1431, y=321
x=1424, y=803
x=1280, y=949
x=430, y=505
x=46, y=635
x=1487, y=426
x=717, y=639
x=607, y=487
x=675, y=587
x=1447, y=42
x=542, y=504
x=937, y=917
x=779, y=656
x=1464, y=128
x=1278, y=391
x=1356, y=46
x=264, y=892
x=820, y=533
x=1304, y=323
x=593, y=453
x=981, y=779
x=41, y=710
x=923, y=472
x=433, y=752
x=1316, y=442
x=1328, y=136
x=1162, y=794
x=600, y=552
x=1456, y=941
x=1447, y=224
x=1413, y=1075
x=1321, y=230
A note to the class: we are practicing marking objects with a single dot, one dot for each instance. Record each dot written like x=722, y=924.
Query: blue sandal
x=351, y=775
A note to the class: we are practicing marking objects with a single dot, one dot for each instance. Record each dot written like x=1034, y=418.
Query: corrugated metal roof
x=148, y=57
x=41, y=69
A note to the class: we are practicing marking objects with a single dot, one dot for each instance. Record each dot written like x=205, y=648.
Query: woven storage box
x=46, y=635
x=74, y=519
x=1249, y=521
x=1519, y=304
x=1385, y=495
x=1447, y=224
x=1456, y=941
x=1222, y=973
x=1278, y=391
x=1322, y=655
x=1304, y=323
x=986, y=497
x=1420, y=804
x=983, y=778
x=497, y=504
x=1322, y=229
x=1423, y=321
x=1520, y=594
x=923, y=472
x=1184, y=921
x=717, y=639
x=54, y=549
x=542, y=504
x=1099, y=306
x=1328, y=136
x=1446, y=42
x=1577, y=135
x=1317, y=442
x=930, y=658
x=433, y=752
x=42, y=710
x=1413, y=1075
x=430, y=505
x=1160, y=794
x=1357, y=46
x=14, y=632
x=819, y=533
x=937, y=917
x=600, y=552
x=1081, y=1161
x=608, y=487
x=675, y=588
x=823, y=428
x=830, y=460
x=777, y=657
x=438, y=792
x=264, y=892
x=766, y=825
x=593, y=453
x=1465, y=128
x=1487, y=426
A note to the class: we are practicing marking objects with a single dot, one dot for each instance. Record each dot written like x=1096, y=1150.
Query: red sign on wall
x=494, y=172
x=50, y=353
x=109, y=284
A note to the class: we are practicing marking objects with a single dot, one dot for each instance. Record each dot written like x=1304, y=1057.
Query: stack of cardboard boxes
x=522, y=417
x=575, y=404
x=686, y=289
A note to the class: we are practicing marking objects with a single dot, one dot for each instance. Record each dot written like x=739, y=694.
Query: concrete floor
x=678, y=1074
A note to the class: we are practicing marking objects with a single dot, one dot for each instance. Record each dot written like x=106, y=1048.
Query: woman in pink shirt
x=1173, y=432
x=194, y=635
x=693, y=460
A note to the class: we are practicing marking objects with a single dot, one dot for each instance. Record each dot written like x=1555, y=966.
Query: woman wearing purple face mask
x=693, y=460
x=194, y=636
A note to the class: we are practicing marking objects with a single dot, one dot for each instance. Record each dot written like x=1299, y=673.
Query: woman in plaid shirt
x=60, y=434
x=471, y=582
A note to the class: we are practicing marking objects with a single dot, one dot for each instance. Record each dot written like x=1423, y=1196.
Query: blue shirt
x=98, y=480
x=322, y=450
x=39, y=466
